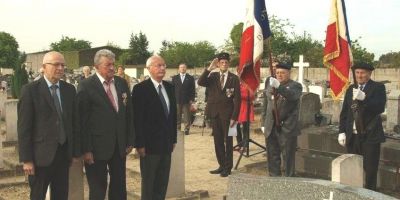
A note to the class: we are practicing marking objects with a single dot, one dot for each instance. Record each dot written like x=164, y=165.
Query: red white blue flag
x=337, y=51
x=255, y=30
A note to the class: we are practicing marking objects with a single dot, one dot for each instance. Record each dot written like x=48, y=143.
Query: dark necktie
x=163, y=102
x=361, y=87
x=110, y=95
x=222, y=80
x=62, y=137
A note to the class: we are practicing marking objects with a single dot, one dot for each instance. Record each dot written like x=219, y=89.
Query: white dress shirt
x=225, y=77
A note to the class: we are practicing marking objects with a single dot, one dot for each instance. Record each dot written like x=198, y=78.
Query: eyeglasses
x=56, y=64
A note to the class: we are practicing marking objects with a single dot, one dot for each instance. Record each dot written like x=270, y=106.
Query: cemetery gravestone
x=10, y=107
x=309, y=106
x=176, y=185
x=301, y=64
x=393, y=110
x=348, y=169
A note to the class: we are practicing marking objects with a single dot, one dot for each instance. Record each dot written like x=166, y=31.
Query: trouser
x=183, y=109
x=97, y=172
x=154, y=170
x=371, y=156
x=281, y=145
x=223, y=143
x=55, y=175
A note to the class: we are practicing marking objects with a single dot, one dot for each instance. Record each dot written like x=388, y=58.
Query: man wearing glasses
x=45, y=132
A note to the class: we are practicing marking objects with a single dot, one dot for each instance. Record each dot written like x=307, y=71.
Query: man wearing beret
x=281, y=135
x=360, y=127
x=223, y=101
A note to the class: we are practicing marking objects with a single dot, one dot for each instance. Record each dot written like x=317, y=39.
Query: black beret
x=223, y=56
x=363, y=65
x=282, y=65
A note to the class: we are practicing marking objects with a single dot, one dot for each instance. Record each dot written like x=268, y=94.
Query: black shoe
x=217, y=171
x=225, y=174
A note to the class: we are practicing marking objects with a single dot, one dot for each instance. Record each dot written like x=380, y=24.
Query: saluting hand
x=213, y=65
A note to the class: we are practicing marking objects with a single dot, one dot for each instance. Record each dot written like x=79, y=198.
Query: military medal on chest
x=229, y=92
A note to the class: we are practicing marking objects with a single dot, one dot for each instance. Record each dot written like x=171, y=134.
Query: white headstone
x=3, y=98
x=393, y=110
x=76, y=189
x=10, y=107
x=1, y=153
x=301, y=64
x=176, y=185
x=316, y=89
x=348, y=169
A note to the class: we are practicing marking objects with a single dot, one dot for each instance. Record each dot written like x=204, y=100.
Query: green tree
x=20, y=76
x=70, y=44
x=196, y=54
x=138, y=49
x=360, y=53
x=391, y=59
x=8, y=50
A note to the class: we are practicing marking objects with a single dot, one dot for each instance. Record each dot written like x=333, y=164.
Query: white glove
x=273, y=82
x=342, y=139
x=358, y=94
x=262, y=129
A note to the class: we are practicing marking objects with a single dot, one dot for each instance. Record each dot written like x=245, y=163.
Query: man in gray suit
x=105, y=128
x=281, y=135
x=46, y=136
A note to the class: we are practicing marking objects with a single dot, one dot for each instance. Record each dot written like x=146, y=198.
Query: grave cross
x=301, y=64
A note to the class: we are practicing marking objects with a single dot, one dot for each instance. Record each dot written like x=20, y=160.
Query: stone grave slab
x=309, y=106
x=245, y=186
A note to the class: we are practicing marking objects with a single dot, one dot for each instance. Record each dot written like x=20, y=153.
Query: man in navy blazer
x=154, y=108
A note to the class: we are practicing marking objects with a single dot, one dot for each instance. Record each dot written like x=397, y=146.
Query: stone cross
x=301, y=64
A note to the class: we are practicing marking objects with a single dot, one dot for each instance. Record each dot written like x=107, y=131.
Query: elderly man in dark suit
x=364, y=102
x=184, y=94
x=45, y=130
x=281, y=135
x=155, y=125
x=223, y=101
x=106, y=128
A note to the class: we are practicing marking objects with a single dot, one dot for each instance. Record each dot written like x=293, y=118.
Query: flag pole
x=274, y=93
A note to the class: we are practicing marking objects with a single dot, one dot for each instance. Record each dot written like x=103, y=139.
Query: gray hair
x=85, y=68
x=103, y=53
x=151, y=59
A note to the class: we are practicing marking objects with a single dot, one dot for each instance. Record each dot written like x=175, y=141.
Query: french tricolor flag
x=255, y=30
x=337, y=51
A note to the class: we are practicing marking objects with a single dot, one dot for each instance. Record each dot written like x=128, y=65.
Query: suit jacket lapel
x=63, y=94
x=169, y=94
x=117, y=84
x=228, y=80
x=45, y=93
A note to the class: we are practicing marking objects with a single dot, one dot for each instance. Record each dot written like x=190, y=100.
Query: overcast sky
x=37, y=23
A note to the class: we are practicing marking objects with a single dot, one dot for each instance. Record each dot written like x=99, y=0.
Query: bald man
x=45, y=131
